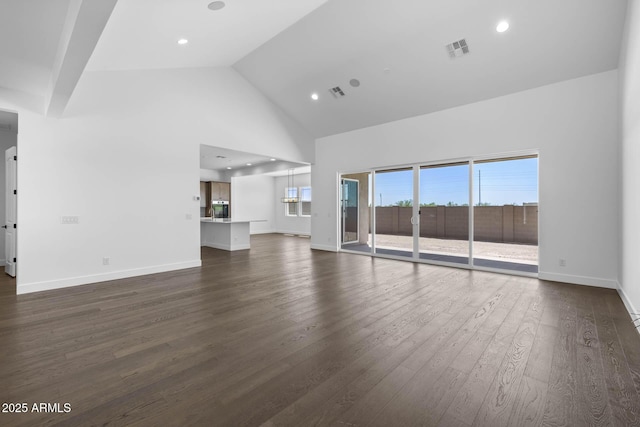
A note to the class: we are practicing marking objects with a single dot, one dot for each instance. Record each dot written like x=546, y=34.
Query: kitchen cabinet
x=220, y=191
x=212, y=191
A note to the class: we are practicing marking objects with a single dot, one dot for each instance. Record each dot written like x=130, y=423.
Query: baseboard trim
x=323, y=247
x=263, y=232
x=103, y=277
x=628, y=305
x=579, y=280
x=297, y=233
x=236, y=247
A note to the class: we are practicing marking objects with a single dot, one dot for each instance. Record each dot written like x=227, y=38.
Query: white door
x=11, y=197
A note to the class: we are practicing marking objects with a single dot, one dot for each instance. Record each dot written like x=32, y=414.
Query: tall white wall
x=574, y=126
x=629, y=158
x=291, y=224
x=7, y=139
x=252, y=199
x=125, y=159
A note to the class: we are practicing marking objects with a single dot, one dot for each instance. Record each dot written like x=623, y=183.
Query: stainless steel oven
x=220, y=209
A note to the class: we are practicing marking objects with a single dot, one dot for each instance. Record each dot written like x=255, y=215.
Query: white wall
x=291, y=224
x=7, y=139
x=252, y=199
x=125, y=159
x=629, y=275
x=211, y=175
x=573, y=124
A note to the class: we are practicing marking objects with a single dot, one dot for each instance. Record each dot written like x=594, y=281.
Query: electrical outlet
x=105, y=261
x=70, y=220
x=562, y=262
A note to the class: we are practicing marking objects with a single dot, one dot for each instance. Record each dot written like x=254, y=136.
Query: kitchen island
x=225, y=233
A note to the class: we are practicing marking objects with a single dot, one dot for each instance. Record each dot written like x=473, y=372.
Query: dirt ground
x=526, y=254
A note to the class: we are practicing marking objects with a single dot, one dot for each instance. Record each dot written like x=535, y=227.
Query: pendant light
x=290, y=198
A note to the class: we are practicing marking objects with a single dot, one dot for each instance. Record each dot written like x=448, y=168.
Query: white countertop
x=229, y=220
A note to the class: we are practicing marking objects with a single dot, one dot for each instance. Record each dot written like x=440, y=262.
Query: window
x=305, y=201
x=291, y=209
x=303, y=207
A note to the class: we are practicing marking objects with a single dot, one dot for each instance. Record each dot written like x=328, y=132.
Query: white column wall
x=629, y=158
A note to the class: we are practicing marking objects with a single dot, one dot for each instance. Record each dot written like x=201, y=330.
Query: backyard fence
x=505, y=224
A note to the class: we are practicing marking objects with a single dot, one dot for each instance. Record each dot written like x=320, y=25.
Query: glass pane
x=350, y=199
x=394, y=210
x=444, y=213
x=506, y=214
x=355, y=212
x=305, y=194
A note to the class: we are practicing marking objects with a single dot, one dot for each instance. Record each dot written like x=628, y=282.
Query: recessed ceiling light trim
x=183, y=41
x=315, y=96
x=502, y=26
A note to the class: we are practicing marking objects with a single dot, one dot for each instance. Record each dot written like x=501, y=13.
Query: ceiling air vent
x=337, y=92
x=458, y=48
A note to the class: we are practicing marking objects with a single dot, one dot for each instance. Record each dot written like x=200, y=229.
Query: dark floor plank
x=282, y=335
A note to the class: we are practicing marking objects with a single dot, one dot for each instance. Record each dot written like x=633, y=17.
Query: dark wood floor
x=281, y=335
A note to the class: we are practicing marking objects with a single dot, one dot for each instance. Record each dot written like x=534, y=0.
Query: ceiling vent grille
x=458, y=48
x=337, y=92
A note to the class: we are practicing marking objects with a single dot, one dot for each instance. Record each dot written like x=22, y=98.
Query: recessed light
x=502, y=27
x=183, y=41
x=248, y=164
x=314, y=96
x=216, y=5
x=354, y=82
x=228, y=167
x=273, y=160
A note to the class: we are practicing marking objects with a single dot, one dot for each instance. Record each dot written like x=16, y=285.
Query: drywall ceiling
x=143, y=34
x=397, y=52
x=242, y=163
x=29, y=37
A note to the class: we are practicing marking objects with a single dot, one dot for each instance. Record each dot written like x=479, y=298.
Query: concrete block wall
x=508, y=224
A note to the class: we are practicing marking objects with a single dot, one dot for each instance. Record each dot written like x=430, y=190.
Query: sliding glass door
x=444, y=212
x=505, y=214
x=394, y=212
x=474, y=213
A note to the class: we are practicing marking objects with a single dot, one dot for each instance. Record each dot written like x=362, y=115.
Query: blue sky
x=500, y=183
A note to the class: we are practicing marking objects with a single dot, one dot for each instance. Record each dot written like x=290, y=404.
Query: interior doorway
x=8, y=212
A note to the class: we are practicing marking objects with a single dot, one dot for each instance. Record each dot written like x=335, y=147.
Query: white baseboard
x=263, y=232
x=628, y=305
x=236, y=247
x=323, y=247
x=579, y=280
x=298, y=233
x=103, y=277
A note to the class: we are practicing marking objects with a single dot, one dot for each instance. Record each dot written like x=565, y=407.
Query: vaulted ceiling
x=289, y=49
x=396, y=50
